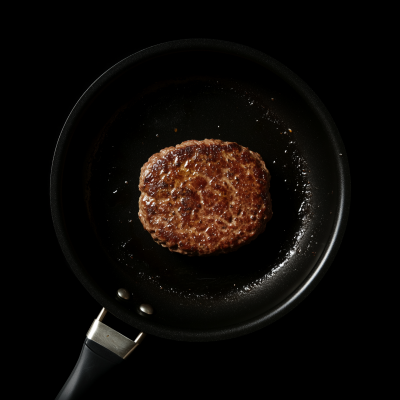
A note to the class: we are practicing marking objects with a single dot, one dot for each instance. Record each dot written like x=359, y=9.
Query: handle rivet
x=146, y=308
x=123, y=294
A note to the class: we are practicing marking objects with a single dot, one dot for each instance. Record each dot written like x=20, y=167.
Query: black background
x=317, y=341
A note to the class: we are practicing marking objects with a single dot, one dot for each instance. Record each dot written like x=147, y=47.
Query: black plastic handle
x=94, y=361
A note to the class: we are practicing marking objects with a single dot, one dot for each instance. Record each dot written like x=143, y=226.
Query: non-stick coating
x=163, y=96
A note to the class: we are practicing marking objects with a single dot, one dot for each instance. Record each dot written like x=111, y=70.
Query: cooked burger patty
x=204, y=197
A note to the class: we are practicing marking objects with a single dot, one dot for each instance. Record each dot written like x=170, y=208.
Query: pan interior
x=161, y=103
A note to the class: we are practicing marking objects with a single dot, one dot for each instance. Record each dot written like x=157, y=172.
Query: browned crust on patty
x=204, y=197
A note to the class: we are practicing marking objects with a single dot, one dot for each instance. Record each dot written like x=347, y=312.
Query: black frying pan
x=162, y=96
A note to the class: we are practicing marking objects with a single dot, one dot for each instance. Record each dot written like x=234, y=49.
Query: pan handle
x=103, y=349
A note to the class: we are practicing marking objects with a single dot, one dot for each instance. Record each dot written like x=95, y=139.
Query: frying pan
x=162, y=96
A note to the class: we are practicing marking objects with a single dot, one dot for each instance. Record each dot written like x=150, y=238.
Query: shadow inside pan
x=196, y=96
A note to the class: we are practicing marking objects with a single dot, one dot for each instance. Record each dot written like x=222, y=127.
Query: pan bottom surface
x=201, y=291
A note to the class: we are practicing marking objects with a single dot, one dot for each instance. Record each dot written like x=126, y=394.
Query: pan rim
x=309, y=282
